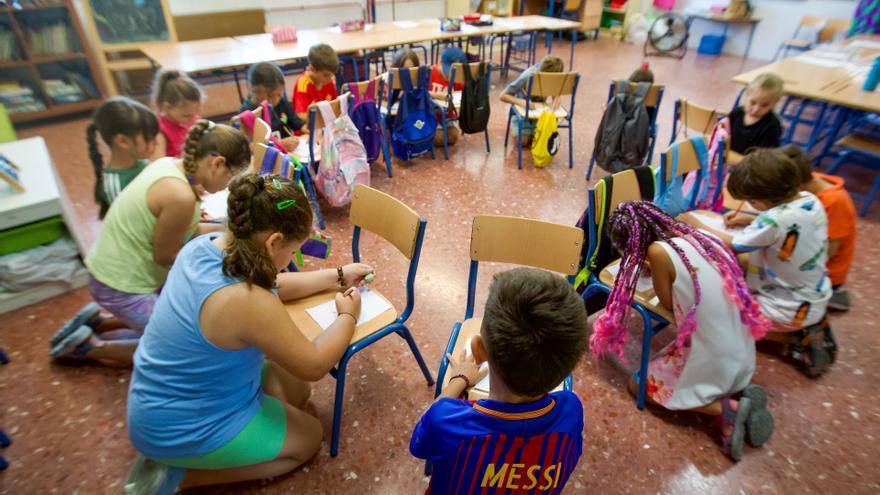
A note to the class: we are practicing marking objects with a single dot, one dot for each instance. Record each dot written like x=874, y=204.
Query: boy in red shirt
x=841, y=214
x=316, y=83
x=439, y=89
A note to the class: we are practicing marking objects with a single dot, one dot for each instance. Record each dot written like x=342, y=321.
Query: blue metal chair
x=688, y=162
x=385, y=216
x=652, y=103
x=456, y=76
x=654, y=317
x=379, y=86
x=864, y=151
x=521, y=241
x=694, y=117
x=544, y=85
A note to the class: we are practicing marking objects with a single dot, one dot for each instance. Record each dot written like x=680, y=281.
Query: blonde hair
x=552, y=63
x=769, y=83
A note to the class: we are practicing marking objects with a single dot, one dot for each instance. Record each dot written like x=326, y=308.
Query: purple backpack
x=365, y=115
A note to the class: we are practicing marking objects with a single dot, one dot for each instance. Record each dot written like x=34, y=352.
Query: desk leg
x=842, y=116
x=818, y=125
x=237, y=85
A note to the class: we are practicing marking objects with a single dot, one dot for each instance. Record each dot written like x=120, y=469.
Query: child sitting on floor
x=266, y=83
x=713, y=357
x=515, y=92
x=786, y=254
x=755, y=124
x=178, y=101
x=317, y=82
x=533, y=335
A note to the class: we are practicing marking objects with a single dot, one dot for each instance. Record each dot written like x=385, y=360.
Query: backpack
x=670, y=197
x=545, y=144
x=416, y=122
x=622, y=139
x=365, y=116
x=344, y=160
x=710, y=197
x=474, y=111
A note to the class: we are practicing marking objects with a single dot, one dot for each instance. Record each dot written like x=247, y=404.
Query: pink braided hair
x=633, y=227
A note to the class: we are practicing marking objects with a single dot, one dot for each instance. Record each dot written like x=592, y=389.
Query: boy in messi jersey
x=524, y=438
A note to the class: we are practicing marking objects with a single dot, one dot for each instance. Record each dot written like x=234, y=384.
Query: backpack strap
x=267, y=111
x=268, y=164
x=406, y=81
x=327, y=112
x=621, y=87
x=425, y=77
x=466, y=68
x=699, y=143
x=368, y=95
x=343, y=106
x=247, y=119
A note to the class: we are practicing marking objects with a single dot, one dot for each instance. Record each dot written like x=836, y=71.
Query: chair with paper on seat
x=398, y=224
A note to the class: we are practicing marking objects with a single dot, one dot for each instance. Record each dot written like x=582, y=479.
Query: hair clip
x=287, y=203
x=276, y=183
x=208, y=128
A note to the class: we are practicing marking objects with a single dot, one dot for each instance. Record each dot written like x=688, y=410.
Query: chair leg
x=570, y=145
x=590, y=168
x=646, y=355
x=337, y=403
x=519, y=140
x=407, y=335
x=445, y=142
x=866, y=203
x=507, y=132
x=486, y=132
x=837, y=163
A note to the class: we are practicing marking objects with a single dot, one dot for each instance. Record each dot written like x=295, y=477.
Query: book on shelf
x=17, y=98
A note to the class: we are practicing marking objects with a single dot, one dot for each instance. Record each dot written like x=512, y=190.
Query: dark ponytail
x=262, y=204
x=115, y=116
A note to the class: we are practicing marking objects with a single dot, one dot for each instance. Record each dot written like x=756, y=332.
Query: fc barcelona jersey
x=489, y=447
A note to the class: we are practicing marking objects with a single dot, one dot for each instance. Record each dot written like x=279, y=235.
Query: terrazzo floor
x=68, y=426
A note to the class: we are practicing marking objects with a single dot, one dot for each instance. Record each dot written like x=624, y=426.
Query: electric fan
x=668, y=36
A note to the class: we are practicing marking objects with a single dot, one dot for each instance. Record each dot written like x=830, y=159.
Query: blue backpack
x=416, y=122
x=669, y=196
x=365, y=115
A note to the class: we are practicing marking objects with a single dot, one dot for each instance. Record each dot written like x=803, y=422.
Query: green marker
x=369, y=278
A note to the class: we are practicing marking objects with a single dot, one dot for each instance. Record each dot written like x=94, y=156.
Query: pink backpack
x=248, y=120
x=706, y=198
x=343, y=157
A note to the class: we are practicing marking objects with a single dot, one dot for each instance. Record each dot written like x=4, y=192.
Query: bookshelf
x=46, y=68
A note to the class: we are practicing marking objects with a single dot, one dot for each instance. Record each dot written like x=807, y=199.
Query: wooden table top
x=834, y=74
x=239, y=51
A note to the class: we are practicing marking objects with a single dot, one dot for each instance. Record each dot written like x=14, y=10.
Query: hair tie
x=208, y=128
x=287, y=203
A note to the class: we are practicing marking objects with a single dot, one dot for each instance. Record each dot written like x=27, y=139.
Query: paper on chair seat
x=483, y=385
x=302, y=151
x=371, y=306
x=645, y=283
x=215, y=204
x=715, y=222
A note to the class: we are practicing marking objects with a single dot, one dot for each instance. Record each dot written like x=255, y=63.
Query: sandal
x=75, y=345
x=759, y=423
x=87, y=312
x=732, y=443
x=148, y=477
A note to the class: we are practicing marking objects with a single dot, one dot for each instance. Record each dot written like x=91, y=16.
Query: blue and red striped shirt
x=490, y=447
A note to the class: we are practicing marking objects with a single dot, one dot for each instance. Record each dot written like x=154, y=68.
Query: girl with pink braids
x=713, y=357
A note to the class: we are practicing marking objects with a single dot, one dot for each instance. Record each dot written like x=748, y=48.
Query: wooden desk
x=726, y=21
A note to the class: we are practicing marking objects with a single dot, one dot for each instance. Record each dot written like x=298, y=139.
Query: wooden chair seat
x=797, y=43
x=535, y=113
x=861, y=143
x=648, y=299
x=311, y=329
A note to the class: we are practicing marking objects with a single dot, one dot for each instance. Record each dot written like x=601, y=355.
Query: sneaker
x=75, y=344
x=148, y=477
x=839, y=300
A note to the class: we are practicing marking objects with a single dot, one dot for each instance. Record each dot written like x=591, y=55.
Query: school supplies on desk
x=371, y=306
x=9, y=173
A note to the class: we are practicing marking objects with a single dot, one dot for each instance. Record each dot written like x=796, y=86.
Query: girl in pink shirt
x=178, y=100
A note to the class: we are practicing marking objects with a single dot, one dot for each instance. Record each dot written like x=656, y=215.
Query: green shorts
x=260, y=440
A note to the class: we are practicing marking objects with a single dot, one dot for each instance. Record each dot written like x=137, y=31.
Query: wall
x=316, y=15
x=779, y=20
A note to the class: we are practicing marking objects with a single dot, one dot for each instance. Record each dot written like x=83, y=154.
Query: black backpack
x=622, y=139
x=474, y=112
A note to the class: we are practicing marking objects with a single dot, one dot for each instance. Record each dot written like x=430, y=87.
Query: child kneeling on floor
x=786, y=251
x=713, y=356
x=533, y=335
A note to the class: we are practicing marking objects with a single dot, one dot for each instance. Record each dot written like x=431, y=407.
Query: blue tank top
x=187, y=396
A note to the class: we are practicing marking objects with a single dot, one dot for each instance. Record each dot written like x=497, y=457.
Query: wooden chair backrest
x=262, y=131
x=832, y=28
x=361, y=87
x=395, y=78
x=257, y=157
x=459, y=72
x=524, y=241
x=386, y=217
x=697, y=117
x=546, y=84
x=334, y=104
x=653, y=93
x=687, y=159
x=626, y=188
x=219, y=24
x=812, y=20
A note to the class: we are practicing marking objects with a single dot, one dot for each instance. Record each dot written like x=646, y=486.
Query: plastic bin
x=31, y=235
x=711, y=44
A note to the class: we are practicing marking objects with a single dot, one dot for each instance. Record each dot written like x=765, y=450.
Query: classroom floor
x=67, y=422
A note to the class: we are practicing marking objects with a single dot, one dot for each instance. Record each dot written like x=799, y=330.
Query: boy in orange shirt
x=841, y=222
x=316, y=83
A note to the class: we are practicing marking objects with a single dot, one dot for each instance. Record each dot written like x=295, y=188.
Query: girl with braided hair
x=713, y=356
x=222, y=372
x=143, y=231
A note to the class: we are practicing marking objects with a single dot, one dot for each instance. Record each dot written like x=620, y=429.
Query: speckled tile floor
x=68, y=422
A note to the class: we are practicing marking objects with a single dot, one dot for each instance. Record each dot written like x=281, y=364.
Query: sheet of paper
x=820, y=61
x=371, y=306
x=302, y=151
x=215, y=204
x=406, y=24
x=645, y=284
x=864, y=44
x=715, y=222
x=483, y=385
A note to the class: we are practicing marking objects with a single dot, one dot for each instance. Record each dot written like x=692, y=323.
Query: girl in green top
x=143, y=231
x=129, y=129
